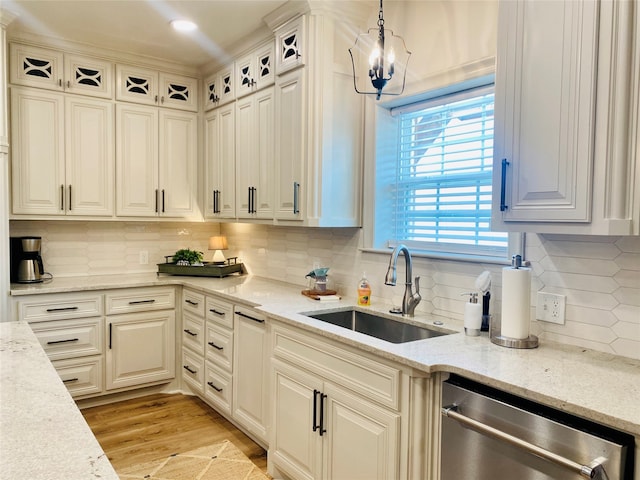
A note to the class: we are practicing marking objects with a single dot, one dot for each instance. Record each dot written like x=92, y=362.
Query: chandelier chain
x=380, y=16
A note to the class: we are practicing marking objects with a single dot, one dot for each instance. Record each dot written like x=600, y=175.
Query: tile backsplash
x=600, y=276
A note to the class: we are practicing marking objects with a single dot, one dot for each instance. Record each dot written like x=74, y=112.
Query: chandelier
x=387, y=58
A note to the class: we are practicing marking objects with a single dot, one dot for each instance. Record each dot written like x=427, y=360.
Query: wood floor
x=155, y=426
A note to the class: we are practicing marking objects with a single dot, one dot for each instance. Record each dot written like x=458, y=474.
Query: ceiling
x=141, y=27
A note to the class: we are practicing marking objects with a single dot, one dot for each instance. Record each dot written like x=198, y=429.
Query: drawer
x=193, y=370
x=372, y=379
x=220, y=312
x=81, y=376
x=193, y=333
x=218, y=388
x=219, y=346
x=54, y=307
x=70, y=338
x=140, y=300
x=193, y=302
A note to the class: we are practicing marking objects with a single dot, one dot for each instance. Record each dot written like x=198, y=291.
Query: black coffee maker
x=26, y=262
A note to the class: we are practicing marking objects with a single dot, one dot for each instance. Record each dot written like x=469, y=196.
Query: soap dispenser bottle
x=364, y=291
x=472, y=316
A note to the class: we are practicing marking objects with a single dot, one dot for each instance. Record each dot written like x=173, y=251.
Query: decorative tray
x=207, y=269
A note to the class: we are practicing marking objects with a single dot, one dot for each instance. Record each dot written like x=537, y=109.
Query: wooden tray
x=317, y=293
x=206, y=270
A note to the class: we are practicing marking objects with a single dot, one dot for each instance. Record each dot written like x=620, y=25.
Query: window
x=435, y=182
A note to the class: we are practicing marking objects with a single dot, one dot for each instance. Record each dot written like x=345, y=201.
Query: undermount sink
x=376, y=326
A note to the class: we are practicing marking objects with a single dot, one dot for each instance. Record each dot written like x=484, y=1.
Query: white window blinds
x=442, y=193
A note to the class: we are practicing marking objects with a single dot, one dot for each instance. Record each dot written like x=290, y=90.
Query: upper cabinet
x=219, y=88
x=563, y=153
x=291, y=45
x=148, y=87
x=53, y=70
x=220, y=163
x=256, y=70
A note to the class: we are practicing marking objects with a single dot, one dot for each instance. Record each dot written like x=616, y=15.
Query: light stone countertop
x=598, y=386
x=43, y=435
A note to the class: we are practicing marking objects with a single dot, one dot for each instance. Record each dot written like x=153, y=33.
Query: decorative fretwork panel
x=290, y=45
x=37, y=68
x=88, y=76
x=137, y=86
x=265, y=68
x=178, y=92
x=227, y=85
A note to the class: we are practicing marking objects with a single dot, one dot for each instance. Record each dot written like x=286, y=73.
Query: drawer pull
x=138, y=302
x=250, y=317
x=217, y=389
x=61, y=309
x=191, y=302
x=69, y=380
x=186, y=330
x=186, y=367
x=213, y=310
x=215, y=346
x=69, y=340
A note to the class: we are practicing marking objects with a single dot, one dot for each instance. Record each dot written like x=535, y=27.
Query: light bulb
x=374, y=58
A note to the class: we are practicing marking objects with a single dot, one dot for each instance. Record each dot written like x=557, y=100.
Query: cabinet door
x=265, y=154
x=295, y=445
x=140, y=348
x=220, y=157
x=36, y=67
x=211, y=92
x=178, y=165
x=136, y=160
x=290, y=45
x=37, y=152
x=245, y=75
x=290, y=135
x=138, y=85
x=177, y=91
x=90, y=162
x=88, y=76
x=246, y=171
x=265, y=65
x=361, y=440
x=250, y=389
x=544, y=111
x=226, y=83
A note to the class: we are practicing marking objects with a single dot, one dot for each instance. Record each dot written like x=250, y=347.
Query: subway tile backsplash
x=600, y=276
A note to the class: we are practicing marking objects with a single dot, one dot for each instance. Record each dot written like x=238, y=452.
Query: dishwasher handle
x=594, y=470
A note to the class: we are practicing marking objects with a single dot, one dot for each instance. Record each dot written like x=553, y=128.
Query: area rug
x=222, y=461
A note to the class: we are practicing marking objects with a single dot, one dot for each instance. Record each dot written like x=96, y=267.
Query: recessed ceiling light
x=183, y=25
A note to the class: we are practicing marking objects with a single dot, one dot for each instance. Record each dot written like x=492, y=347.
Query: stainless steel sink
x=376, y=326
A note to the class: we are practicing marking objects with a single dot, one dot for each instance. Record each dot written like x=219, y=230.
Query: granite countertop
x=43, y=435
x=598, y=386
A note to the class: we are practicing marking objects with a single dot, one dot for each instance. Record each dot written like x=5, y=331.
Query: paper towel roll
x=516, y=300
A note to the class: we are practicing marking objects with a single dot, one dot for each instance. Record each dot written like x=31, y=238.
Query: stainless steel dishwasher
x=488, y=434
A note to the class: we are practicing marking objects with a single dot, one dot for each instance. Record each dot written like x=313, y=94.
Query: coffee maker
x=26, y=262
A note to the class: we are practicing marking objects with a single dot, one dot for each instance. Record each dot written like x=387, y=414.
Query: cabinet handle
x=186, y=330
x=138, y=302
x=69, y=380
x=296, y=192
x=249, y=200
x=215, y=346
x=250, y=317
x=217, y=389
x=70, y=203
x=156, y=200
x=220, y=314
x=68, y=84
x=503, y=182
x=61, y=309
x=216, y=207
x=156, y=99
x=68, y=340
x=315, y=409
x=322, y=429
x=61, y=197
x=186, y=367
x=162, y=99
x=110, y=334
x=59, y=82
x=163, y=200
x=191, y=302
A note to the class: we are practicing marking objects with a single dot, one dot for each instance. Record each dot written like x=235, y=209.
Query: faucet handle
x=417, y=284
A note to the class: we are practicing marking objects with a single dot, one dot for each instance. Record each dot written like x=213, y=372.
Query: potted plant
x=187, y=256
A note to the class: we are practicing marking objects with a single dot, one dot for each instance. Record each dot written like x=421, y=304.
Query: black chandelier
x=387, y=58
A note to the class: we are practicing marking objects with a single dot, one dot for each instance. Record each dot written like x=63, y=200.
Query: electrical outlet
x=550, y=307
x=144, y=257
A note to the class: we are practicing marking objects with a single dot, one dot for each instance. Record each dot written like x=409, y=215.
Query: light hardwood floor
x=153, y=427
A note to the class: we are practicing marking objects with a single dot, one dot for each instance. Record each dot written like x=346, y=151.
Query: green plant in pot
x=187, y=256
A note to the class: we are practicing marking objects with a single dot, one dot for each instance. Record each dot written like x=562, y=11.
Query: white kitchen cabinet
x=218, y=387
x=219, y=88
x=140, y=348
x=149, y=87
x=256, y=69
x=140, y=337
x=335, y=414
x=156, y=162
x=562, y=160
x=219, y=162
x=319, y=123
x=45, y=68
x=250, y=377
x=62, y=160
x=255, y=151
